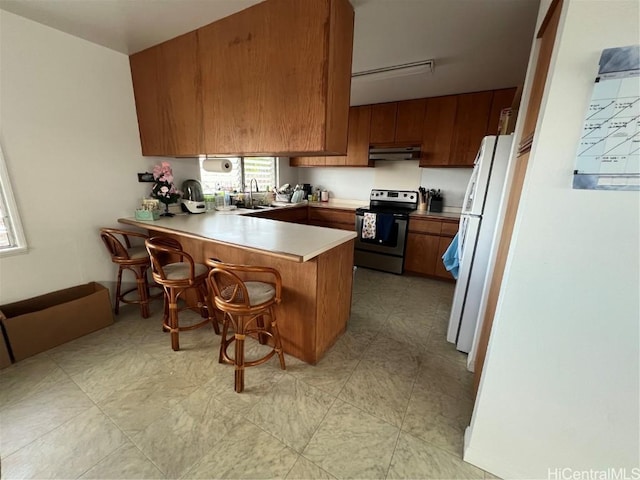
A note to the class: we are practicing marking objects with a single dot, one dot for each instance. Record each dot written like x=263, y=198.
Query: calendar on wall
x=608, y=155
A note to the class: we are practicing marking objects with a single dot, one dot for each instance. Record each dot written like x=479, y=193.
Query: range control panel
x=396, y=196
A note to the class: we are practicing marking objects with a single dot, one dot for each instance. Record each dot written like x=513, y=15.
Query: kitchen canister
x=324, y=196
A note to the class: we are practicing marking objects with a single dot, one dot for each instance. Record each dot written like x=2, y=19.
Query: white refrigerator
x=478, y=222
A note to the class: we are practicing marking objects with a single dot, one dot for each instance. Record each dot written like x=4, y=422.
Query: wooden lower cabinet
x=427, y=241
x=290, y=214
x=421, y=254
x=319, y=216
x=332, y=218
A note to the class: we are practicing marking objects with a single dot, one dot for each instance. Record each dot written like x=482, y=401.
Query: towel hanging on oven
x=369, y=226
x=384, y=226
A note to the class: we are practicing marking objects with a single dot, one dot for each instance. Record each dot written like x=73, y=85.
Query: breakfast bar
x=316, y=265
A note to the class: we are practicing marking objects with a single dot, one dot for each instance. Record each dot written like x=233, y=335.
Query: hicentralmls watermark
x=568, y=473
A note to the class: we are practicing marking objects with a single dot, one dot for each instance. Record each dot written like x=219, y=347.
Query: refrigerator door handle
x=471, y=215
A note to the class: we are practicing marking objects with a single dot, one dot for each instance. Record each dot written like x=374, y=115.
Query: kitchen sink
x=256, y=207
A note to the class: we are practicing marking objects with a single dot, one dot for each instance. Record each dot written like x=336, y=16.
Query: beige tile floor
x=390, y=400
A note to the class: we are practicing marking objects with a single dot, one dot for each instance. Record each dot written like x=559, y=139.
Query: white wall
x=560, y=388
x=69, y=132
x=356, y=183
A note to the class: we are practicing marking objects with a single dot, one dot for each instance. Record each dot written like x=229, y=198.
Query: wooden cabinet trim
x=546, y=36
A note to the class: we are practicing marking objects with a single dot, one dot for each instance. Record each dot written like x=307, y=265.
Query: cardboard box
x=43, y=322
x=5, y=358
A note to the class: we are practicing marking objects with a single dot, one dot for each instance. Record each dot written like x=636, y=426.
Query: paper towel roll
x=223, y=165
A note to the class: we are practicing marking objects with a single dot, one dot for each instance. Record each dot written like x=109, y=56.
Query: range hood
x=394, y=153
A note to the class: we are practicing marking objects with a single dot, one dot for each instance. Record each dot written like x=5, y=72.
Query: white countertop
x=340, y=204
x=295, y=242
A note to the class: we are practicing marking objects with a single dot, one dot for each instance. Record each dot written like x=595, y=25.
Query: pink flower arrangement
x=164, y=189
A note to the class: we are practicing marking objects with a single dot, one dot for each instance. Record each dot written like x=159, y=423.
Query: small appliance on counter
x=192, y=197
x=307, y=189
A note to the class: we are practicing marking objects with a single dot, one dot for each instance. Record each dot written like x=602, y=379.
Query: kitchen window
x=11, y=235
x=263, y=169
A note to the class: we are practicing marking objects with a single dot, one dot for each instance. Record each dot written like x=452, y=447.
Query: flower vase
x=166, y=211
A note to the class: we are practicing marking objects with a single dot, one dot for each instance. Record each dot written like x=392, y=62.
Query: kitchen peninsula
x=315, y=263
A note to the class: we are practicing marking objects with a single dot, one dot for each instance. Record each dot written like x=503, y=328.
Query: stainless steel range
x=381, y=244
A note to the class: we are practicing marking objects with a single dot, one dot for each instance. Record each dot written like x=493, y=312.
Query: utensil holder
x=435, y=205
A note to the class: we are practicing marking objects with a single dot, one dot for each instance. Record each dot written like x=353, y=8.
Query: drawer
x=332, y=215
x=449, y=229
x=419, y=225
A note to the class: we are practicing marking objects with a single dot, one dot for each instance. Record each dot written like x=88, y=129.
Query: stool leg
x=202, y=303
x=116, y=308
x=141, y=280
x=165, y=307
x=222, y=356
x=211, y=312
x=173, y=319
x=239, y=357
x=276, y=338
x=262, y=337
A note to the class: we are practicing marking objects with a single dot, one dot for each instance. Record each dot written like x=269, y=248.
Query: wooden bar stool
x=132, y=258
x=176, y=278
x=245, y=304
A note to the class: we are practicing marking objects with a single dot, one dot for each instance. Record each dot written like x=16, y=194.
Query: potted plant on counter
x=435, y=201
x=163, y=188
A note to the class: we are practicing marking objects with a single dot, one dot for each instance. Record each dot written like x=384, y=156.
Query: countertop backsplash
x=357, y=183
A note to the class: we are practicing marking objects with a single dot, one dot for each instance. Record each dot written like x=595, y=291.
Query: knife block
x=435, y=205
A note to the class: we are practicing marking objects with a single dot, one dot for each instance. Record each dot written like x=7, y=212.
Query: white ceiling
x=476, y=44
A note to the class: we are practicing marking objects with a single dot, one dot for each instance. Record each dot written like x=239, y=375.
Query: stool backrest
x=113, y=239
x=162, y=248
x=229, y=288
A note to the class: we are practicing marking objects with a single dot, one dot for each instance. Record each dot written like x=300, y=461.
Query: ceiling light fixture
x=414, y=68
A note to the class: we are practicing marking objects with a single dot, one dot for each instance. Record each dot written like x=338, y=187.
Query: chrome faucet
x=251, y=191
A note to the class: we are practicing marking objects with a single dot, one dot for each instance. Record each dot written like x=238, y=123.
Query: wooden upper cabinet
x=472, y=118
x=273, y=79
x=357, y=145
x=439, y=123
x=501, y=99
x=166, y=81
x=409, y=121
x=449, y=128
x=383, y=123
x=276, y=78
x=397, y=122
